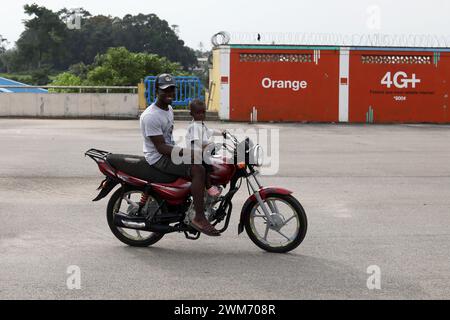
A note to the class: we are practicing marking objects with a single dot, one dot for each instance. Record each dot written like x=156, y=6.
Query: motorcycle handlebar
x=227, y=134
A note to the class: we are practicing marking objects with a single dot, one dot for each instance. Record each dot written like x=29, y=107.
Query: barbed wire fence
x=332, y=39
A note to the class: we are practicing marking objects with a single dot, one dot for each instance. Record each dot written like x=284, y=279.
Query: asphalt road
x=374, y=195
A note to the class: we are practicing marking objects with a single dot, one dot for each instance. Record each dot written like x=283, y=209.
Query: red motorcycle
x=150, y=204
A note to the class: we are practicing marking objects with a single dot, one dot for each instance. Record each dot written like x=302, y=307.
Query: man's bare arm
x=166, y=149
x=161, y=145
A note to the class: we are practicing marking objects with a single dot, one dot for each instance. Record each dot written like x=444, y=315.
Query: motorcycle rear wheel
x=120, y=233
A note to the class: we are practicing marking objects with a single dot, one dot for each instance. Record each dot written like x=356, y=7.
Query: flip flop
x=207, y=229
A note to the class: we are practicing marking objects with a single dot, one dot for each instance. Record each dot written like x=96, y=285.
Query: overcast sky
x=198, y=20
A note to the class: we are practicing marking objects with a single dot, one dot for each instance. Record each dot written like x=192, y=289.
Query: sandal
x=205, y=228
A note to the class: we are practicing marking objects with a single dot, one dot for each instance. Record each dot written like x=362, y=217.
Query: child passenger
x=199, y=137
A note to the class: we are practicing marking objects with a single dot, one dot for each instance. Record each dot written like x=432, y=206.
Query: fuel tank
x=222, y=170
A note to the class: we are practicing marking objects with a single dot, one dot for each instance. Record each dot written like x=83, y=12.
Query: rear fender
x=106, y=168
x=105, y=188
x=248, y=205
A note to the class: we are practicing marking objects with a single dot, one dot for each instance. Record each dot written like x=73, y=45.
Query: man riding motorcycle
x=158, y=197
x=157, y=126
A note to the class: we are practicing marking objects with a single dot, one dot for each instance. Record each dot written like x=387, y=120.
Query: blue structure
x=188, y=89
x=7, y=82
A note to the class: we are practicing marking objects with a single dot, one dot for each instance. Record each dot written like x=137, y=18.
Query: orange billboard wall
x=284, y=85
x=399, y=86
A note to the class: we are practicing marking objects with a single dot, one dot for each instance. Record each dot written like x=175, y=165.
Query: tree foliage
x=117, y=67
x=43, y=41
x=10, y=61
x=2, y=44
x=66, y=79
x=48, y=43
x=2, y=51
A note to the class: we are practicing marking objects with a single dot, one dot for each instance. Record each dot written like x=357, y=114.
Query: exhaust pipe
x=133, y=225
x=124, y=221
x=140, y=223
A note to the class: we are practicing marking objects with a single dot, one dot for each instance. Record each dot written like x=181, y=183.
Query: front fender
x=248, y=205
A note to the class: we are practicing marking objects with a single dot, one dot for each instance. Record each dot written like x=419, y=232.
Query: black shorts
x=166, y=165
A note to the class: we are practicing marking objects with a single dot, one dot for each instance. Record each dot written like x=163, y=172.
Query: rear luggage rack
x=96, y=154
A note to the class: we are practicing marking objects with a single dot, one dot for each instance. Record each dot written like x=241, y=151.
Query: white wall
x=71, y=105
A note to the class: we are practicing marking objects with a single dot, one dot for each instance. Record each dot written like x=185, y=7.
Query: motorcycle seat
x=138, y=167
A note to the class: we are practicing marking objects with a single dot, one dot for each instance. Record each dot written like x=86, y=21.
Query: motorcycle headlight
x=253, y=153
x=256, y=155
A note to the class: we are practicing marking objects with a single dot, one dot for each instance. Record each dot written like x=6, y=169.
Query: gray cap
x=165, y=81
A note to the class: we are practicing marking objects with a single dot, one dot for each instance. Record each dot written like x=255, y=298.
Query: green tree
x=118, y=67
x=2, y=51
x=94, y=37
x=66, y=79
x=150, y=34
x=2, y=44
x=47, y=41
x=42, y=42
x=121, y=67
x=40, y=76
x=11, y=60
x=80, y=70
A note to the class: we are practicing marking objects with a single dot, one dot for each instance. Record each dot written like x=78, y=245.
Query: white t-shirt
x=155, y=121
x=199, y=133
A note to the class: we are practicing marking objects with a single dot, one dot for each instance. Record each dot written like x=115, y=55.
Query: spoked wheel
x=128, y=204
x=288, y=228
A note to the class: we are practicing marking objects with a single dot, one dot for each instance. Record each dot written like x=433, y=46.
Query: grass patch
x=24, y=78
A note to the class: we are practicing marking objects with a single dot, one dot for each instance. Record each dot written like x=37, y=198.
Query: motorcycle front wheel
x=288, y=227
x=125, y=202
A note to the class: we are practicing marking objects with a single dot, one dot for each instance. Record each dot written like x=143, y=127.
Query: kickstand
x=195, y=237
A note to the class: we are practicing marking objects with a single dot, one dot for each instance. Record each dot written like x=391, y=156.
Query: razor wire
x=333, y=39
